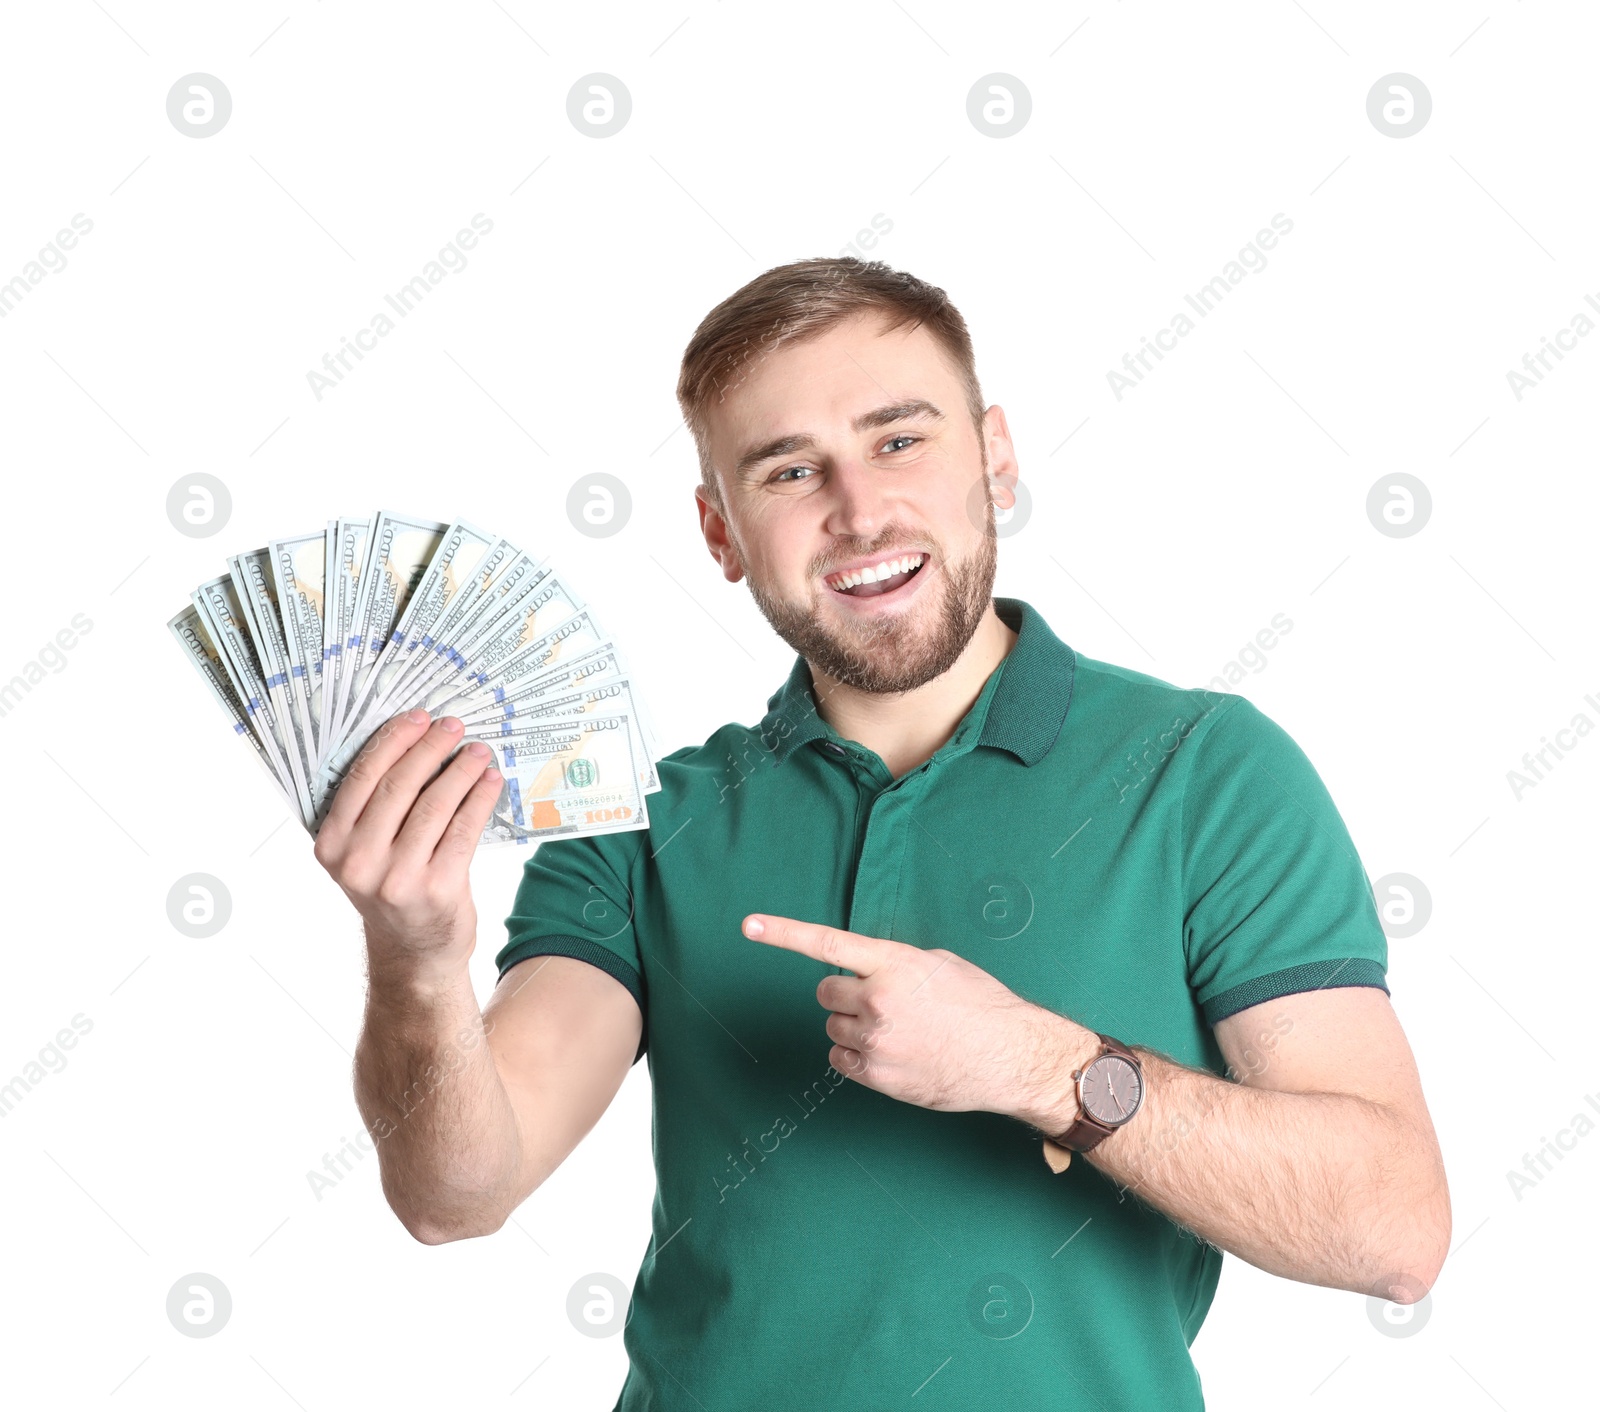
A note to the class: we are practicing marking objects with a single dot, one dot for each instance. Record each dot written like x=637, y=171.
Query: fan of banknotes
x=311, y=643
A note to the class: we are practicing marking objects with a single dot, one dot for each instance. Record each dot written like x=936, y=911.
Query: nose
x=859, y=501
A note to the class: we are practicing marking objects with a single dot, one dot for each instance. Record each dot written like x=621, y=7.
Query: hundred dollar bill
x=606, y=698
x=567, y=776
x=299, y=581
x=188, y=626
x=587, y=668
x=397, y=552
x=252, y=580
x=220, y=610
x=446, y=575
x=346, y=558
x=566, y=780
x=596, y=681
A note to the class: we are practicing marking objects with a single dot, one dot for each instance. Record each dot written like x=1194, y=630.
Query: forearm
x=1323, y=1188
x=427, y=1086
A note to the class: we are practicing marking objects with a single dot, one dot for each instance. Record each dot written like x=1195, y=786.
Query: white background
x=1167, y=528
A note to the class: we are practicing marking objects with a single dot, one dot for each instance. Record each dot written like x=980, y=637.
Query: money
x=442, y=578
x=595, y=676
x=566, y=779
x=217, y=604
x=347, y=556
x=310, y=643
x=398, y=551
x=189, y=627
x=601, y=700
x=299, y=580
x=252, y=580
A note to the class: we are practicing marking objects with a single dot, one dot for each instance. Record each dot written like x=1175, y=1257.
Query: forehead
x=822, y=382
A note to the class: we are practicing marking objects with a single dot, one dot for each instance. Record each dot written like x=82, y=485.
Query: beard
x=899, y=651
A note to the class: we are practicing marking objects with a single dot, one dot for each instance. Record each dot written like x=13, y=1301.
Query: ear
x=718, y=541
x=1003, y=471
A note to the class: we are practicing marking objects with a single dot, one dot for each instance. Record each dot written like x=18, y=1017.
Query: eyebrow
x=803, y=441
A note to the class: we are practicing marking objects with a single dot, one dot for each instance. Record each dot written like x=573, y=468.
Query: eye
x=781, y=474
x=903, y=436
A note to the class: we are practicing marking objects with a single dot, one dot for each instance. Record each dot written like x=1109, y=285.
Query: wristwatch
x=1110, y=1090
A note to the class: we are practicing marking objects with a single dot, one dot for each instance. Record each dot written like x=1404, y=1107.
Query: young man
x=963, y=903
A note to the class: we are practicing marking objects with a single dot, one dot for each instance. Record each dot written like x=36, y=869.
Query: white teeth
x=882, y=571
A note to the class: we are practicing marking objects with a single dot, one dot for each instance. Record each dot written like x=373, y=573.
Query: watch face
x=1111, y=1090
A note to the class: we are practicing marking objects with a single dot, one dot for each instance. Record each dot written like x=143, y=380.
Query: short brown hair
x=794, y=302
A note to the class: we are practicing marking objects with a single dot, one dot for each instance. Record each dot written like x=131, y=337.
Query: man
x=989, y=991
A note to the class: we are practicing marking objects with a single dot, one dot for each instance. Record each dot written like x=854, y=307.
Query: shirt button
x=830, y=745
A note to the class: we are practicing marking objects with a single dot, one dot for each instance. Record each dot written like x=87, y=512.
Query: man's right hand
x=399, y=846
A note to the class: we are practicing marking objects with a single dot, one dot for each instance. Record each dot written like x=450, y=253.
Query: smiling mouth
x=879, y=579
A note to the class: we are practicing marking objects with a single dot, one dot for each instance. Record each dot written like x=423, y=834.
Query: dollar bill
x=188, y=626
x=566, y=778
x=587, y=667
x=591, y=683
x=252, y=580
x=347, y=556
x=299, y=581
x=217, y=602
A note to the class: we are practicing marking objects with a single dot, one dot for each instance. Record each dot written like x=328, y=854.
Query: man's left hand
x=930, y=1028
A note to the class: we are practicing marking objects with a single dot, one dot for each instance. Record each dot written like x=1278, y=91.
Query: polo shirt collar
x=1025, y=713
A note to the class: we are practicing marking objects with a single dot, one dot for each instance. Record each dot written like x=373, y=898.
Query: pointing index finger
x=832, y=945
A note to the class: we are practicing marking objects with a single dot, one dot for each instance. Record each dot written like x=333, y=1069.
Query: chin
x=897, y=649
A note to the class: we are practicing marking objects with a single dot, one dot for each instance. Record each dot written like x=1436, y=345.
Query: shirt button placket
x=878, y=870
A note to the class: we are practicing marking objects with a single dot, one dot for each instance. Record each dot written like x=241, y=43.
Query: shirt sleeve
x=1276, y=900
x=575, y=899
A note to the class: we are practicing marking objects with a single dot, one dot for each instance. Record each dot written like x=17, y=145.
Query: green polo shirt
x=1143, y=859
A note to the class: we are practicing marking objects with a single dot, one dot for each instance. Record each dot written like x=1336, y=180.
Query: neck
x=905, y=728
